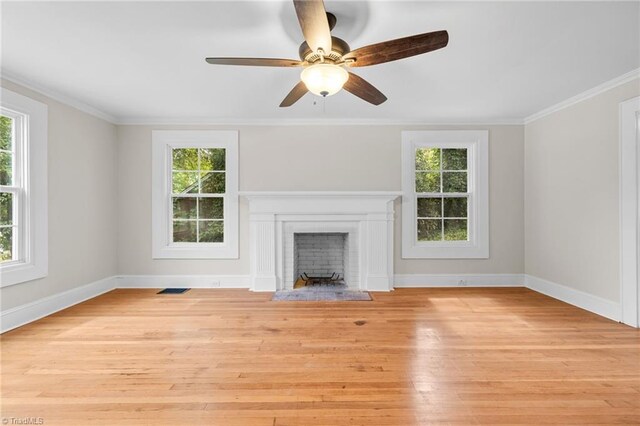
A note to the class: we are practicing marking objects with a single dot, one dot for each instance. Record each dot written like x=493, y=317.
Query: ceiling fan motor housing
x=339, y=48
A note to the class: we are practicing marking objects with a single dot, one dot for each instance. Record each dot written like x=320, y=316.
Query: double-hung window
x=195, y=194
x=445, y=194
x=23, y=189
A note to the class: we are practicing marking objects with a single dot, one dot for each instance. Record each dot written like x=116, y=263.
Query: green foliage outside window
x=6, y=198
x=6, y=229
x=441, y=171
x=200, y=173
x=428, y=159
x=6, y=133
x=6, y=145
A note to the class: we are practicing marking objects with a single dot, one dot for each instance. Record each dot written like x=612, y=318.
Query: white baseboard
x=182, y=281
x=589, y=302
x=29, y=312
x=379, y=283
x=20, y=315
x=462, y=280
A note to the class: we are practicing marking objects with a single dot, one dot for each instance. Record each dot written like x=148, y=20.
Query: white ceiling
x=144, y=61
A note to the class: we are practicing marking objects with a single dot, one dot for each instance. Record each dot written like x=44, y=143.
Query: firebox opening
x=320, y=258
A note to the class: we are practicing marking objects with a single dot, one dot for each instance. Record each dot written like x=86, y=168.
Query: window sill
x=18, y=273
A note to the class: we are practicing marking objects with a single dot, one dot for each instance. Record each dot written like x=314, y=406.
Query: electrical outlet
x=462, y=283
x=215, y=284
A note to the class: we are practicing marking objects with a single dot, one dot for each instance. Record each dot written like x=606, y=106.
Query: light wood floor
x=413, y=356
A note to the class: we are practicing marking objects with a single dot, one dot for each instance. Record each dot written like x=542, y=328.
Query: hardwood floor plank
x=411, y=357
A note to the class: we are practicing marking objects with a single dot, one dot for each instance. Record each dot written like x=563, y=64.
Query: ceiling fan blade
x=257, y=62
x=364, y=90
x=294, y=95
x=314, y=23
x=400, y=48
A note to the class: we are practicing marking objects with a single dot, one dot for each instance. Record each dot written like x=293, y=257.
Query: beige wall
x=99, y=194
x=553, y=194
x=82, y=203
x=316, y=158
x=571, y=194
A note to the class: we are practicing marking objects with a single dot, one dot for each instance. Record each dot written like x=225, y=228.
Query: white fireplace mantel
x=275, y=216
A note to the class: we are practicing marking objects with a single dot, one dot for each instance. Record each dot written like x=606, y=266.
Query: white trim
x=608, y=85
x=24, y=314
x=589, y=302
x=208, y=121
x=162, y=142
x=34, y=218
x=457, y=280
x=477, y=144
x=629, y=227
x=56, y=96
x=297, y=194
x=29, y=312
x=182, y=281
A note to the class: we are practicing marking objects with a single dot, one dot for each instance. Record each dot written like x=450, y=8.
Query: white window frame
x=30, y=188
x=477, y=144
x=163, y=142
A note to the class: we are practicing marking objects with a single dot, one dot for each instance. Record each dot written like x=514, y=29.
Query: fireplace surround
x=365, y=217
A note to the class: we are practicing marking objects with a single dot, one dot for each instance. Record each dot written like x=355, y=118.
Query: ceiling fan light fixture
x=324, y=79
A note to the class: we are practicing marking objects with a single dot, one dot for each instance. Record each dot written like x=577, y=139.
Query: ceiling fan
x=325, y=57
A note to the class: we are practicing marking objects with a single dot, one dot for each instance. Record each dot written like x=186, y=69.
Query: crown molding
x=208, y=121
x=59, y=97
x=608, y=85
x=204, y=121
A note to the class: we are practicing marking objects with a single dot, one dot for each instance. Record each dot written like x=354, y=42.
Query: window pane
x=6, y=208
x=455, y=207
x=211, y=208
x=6, y=244
x=211, y=231
x=212, y=159
x=427, y=182
x=455, y=230
x=185, y=182
x=454, y=159
x=454, y=181
x=429, y=207
x=184, y=208
x=213, y=183
x=6, y=169
x=429, y=229
x=6, y=133
x=184, y=231
x=428, y=159
x=185, y=159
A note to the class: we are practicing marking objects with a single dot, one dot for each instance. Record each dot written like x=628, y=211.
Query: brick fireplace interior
x=321, y=253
